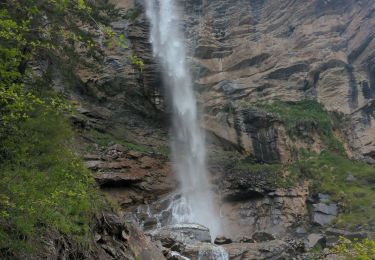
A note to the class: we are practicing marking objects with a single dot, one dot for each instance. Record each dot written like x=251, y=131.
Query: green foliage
x=328, y=172
x=355, y=250
x=43, y=183
x=303, y=118
x=137, y=62
x=315, y=253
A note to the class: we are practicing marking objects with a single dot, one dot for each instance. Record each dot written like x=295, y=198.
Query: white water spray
x=188, y=145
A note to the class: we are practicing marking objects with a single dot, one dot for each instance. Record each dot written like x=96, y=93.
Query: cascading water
x=188, y=146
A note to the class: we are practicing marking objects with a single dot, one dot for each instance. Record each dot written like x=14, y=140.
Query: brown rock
x=94, y=165
x=117, y=179
x=134, y=155
x=222, y=240
x=117, y=165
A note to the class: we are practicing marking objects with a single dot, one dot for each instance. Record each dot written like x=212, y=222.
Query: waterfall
x=188, y=143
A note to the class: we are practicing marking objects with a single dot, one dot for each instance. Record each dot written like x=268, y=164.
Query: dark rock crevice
x=285, y=73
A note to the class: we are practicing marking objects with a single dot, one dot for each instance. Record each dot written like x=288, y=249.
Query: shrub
x=355, y=250
x=43, y=183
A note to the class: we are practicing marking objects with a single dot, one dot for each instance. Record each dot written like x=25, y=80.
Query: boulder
x=314, y=240
x=181, y=234
x=323, y=214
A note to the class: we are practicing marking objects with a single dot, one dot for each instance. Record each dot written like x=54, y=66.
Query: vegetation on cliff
x=43, y=185
x=304, y=117
x=349, y=182
x=355, y=250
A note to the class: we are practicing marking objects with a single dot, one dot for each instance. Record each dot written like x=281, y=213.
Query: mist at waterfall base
x=195, y=205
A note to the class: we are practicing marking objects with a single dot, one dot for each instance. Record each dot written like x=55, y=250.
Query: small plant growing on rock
x=355, y=250
x=137, y=62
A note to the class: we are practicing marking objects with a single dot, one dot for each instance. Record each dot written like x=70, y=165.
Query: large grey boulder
x=181, y=234
x=324, y=214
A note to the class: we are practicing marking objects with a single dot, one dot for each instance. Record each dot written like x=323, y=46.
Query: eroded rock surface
x=270, y=211
x=241, y=52
x=275, y=249
x=254, y=51
x=131, y=177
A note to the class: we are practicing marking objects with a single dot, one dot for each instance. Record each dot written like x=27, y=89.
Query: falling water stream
x=195, y=205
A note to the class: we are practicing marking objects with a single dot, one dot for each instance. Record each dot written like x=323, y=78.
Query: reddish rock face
x=131, y=177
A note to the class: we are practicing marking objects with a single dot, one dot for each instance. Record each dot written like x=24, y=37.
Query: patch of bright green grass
x=304, y=117
x=329, y=172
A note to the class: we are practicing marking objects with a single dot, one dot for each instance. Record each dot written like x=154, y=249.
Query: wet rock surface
x=188, y=241
x=181, y=233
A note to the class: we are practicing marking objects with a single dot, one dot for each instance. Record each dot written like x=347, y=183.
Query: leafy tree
x=43, y=185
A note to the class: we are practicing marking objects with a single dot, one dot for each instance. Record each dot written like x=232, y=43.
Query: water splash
x=213, y=253
x=188, y=145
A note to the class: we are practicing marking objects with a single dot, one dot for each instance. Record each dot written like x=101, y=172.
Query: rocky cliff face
x=243, y=54
x=252, y=51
